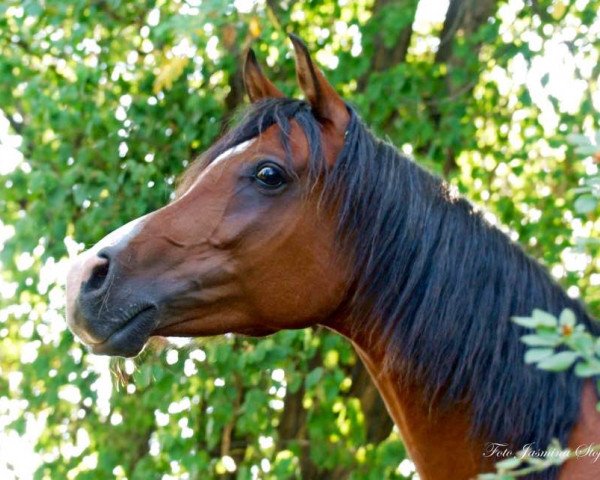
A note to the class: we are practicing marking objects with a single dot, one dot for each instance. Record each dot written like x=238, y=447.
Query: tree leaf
x=544, y=319
x=537, y=340
x=578, y=139
x=527, y=322
x=586, y=150
x=313, y=377
x=558, y=362
x=509, y=464
x=587, y=369
x=586, y=203
x=582, y=342
x=567, y=318
x=534, y=355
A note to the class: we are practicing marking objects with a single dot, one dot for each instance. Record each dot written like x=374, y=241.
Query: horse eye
x=270, y=176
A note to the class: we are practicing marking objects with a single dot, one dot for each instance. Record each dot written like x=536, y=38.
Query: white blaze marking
x=126, y=232
x=239, y=148
x=82, y=265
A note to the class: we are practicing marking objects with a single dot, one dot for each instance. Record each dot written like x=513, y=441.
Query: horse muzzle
x=111, y=312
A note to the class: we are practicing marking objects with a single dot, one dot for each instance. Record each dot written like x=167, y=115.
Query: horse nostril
x=98, y=276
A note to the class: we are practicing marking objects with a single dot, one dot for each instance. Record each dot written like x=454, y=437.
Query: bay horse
x=300, y=216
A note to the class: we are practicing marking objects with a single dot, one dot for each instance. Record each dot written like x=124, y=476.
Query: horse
x=299, y=216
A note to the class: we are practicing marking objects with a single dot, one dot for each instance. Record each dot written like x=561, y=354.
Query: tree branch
x=464, y=18
x=383, y=56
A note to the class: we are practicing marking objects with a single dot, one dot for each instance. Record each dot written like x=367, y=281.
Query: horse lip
x=129, y=339
x=130, y=319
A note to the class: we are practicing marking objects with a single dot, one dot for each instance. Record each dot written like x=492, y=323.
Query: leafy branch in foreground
x=589, y=189
x=551, y=333
x=555, y=345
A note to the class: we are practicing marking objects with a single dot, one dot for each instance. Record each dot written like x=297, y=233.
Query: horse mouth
x=129, y=339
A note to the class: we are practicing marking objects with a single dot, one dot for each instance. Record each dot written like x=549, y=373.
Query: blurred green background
x=102, y=105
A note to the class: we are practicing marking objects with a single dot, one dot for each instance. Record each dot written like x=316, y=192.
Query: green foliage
x=587, y=202
x=560, y=343
x=111, y=100
x=557, y=345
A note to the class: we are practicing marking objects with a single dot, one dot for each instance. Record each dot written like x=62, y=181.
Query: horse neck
x=431, y=293
x=440, y=443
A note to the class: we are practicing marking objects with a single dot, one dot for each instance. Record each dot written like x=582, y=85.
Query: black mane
x=441, y=282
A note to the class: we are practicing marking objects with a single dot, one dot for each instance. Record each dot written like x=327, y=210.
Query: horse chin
x=191, y=329
x=257, y=331
x=129, y=340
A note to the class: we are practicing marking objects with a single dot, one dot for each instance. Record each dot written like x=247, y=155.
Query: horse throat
x=439, y=442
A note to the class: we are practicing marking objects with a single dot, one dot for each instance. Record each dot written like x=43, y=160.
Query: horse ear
x=257, y=85
x=327, y=105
